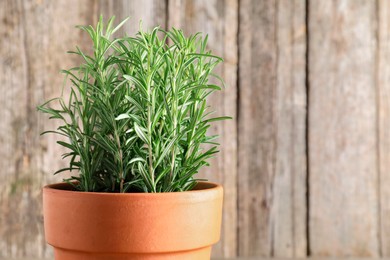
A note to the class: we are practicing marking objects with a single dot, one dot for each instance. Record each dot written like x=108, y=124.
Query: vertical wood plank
x=33, y=48
x=384, y=122
x=218, y=19
x=272, y=145
x=289, y=189
x=342, y=128
x=256, y=125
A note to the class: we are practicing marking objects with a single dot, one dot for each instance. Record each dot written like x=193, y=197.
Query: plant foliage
x=136, y=117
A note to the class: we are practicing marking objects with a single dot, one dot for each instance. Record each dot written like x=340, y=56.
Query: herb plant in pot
x=135, y=123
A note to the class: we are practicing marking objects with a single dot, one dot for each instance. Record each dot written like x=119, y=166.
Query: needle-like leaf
x=136, y=117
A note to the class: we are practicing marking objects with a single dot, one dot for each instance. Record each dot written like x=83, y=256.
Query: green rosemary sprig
x=136, y=118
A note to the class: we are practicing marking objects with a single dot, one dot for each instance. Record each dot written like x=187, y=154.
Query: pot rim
x=201, y=187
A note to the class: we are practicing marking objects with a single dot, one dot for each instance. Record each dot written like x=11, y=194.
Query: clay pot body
x=92, y=225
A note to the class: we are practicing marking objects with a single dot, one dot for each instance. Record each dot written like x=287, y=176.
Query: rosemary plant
x=136, y=118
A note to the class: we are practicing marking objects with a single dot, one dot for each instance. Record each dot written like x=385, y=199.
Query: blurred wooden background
x=306, y=161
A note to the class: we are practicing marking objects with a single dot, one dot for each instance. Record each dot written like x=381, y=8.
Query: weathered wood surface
x=272, y=112
x=343, y=162
x=219, y=21
x=290, y=172
x=151, y=12
x=384, y=122
x=326, y=107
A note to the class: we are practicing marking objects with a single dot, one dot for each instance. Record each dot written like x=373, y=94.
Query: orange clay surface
x=92, y=225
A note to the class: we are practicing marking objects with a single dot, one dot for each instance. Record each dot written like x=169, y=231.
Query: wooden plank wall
x=306, y=161
x=342, y=108
x=271, y=129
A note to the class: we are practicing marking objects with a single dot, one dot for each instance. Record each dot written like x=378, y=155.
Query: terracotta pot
x=93, y=225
